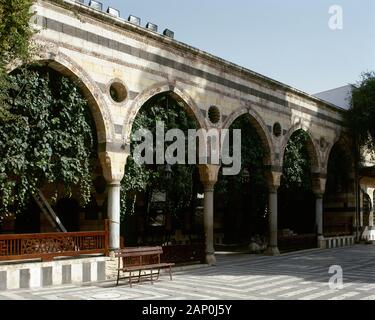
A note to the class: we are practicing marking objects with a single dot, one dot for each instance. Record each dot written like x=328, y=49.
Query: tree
x=297, y=165
x=360, y=118
x=242, y=199
x=15, y=34
x=145, y=178
x=52, y=140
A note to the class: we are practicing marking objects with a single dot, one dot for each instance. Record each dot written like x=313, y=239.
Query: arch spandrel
x=260, y=127
x=163, y=87
x=98, y=107
x=312, y=147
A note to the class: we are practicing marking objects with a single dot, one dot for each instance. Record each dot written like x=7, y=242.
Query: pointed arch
x=312, y=147
x=162, y=87
x=260, y=127
x=344, y=143
x=67, y=67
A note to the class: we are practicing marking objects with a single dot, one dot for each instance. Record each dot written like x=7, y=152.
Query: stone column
x=370, y=222
x=319, y=214
x=209, y=174
x=371, y=217
x=319, y=183
x=113, y=165
x=273, y=178
x=114, y=214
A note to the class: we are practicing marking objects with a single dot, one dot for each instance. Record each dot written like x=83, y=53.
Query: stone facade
x=58, y=272
x=103, y=52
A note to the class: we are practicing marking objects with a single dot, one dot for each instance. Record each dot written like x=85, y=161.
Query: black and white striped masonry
x=45, y=274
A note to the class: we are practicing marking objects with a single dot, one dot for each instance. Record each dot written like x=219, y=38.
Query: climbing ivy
x=143, y=178
x=252, y=153
x=50, y=140
x=15, y=33
x=297, y=165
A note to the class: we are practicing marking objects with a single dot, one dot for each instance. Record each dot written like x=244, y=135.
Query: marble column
x=208, y=174
x=272, y=222
x=273, y=178
x=114, y=214
x=319, y=185
x=209, y=223
x=319, y=214
x=113, y=165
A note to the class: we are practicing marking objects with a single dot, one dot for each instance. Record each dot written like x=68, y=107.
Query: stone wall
x=59, y=272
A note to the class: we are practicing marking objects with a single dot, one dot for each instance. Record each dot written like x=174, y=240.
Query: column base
x=112, y=253
x=321, y=243
x=369, y=234
x=272, y=251
x=211, y=259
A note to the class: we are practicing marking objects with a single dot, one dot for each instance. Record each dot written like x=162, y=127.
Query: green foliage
x=14, y=29
x=143, y=178
x=297, y=165
x=49, y=138
x=338, y=171
x=15, y=33
x=360, y=118
x=252, y=154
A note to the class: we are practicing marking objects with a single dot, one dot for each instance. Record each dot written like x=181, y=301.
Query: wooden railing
x=339, y=229
x=46, y=246
x=299, y=242
x=183, y=253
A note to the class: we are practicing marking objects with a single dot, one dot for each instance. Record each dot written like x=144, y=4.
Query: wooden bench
x=141, y=259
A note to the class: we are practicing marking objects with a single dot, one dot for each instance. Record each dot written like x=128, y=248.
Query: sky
x=287, y=40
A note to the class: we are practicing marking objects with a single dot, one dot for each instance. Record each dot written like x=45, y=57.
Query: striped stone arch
x=342, y=140
x=312, y=147
x=67, y=67
x=260, y=127
x=162, y=87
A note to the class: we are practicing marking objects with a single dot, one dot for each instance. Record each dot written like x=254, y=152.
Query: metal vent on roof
x=135, y=20
x=113, y=12
x=152, y=26
x=168, y=33
x=96, y=5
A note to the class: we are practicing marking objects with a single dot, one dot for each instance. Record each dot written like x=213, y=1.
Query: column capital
x=113, y=165
x=114, y=183
x=319, y=184
x=273, y=188
x=273, y=179
x=209, y=175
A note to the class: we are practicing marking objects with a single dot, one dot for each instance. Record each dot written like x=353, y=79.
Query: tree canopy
x=360, y=118
x=252, y=153
x=143, y=178
x=15, y=33
x=297, y=165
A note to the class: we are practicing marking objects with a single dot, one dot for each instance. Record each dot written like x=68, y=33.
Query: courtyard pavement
x=294, y=276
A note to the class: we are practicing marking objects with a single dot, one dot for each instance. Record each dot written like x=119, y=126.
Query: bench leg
x=130, y=279
x=139, y=276
x=170, y=272
x=118, y=277
x=152, y=282
x=158, y=274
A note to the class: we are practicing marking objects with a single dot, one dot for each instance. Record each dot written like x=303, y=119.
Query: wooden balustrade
x=46, y=246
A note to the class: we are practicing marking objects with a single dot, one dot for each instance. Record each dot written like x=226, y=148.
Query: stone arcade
x=105, y=53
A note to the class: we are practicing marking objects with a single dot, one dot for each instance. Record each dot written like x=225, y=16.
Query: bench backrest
x=132, y=257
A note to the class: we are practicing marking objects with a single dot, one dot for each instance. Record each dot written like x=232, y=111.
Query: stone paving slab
x=293, y=276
